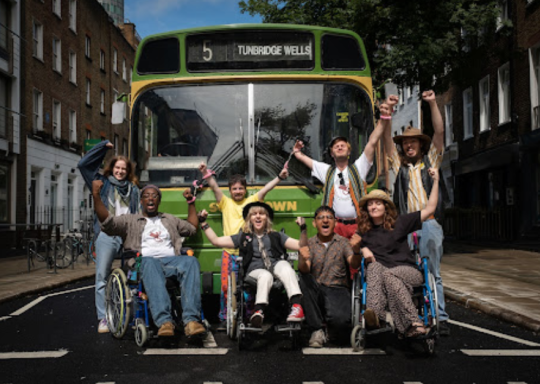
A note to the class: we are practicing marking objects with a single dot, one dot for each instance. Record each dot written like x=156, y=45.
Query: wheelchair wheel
x=141, y=332
x=356, y=297
x=434, y=302
x=117, y=303
x=232, y=306
x=358, y=338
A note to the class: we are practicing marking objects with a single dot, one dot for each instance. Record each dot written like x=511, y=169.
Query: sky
x=156, y=16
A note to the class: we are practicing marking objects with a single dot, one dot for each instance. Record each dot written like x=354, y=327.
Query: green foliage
x=411, y=42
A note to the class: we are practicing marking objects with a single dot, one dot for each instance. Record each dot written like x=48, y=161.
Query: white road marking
x=32, y=355
x=502, y=352
x=213, y=382
x=341, y=351
x=40, y=299
x=412, y=382
x=312, y=382
x=186, y=351
x=493, y=333
x=517, y=382
x=5, y=318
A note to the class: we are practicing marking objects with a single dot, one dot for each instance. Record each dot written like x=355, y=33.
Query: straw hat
x=268, y=208
x=414, y=133
x=376, y=194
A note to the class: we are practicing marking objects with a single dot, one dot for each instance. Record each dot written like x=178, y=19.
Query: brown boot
x=167, y=329
x=372, y=321
x=194, y=328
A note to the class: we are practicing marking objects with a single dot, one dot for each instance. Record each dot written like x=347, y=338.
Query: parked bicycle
x=74, y=245
x=43, y=250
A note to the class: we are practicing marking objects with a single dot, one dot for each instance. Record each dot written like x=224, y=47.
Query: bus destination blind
x=250, y=50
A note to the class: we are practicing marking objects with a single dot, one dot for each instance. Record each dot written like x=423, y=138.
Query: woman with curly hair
x=391, y=268
x=120, y=194
x=263, y=252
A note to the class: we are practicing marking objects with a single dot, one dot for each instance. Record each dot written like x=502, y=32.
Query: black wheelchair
x=239, y=308
x=126, y=303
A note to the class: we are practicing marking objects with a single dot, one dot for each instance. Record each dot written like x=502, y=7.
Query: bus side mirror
x=118, y=112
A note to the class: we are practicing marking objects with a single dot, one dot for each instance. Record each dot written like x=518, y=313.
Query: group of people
x=351, y=225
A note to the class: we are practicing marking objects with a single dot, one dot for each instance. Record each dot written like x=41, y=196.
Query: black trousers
x=322, y=304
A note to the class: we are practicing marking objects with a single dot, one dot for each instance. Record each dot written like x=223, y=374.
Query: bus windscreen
x=250, y=50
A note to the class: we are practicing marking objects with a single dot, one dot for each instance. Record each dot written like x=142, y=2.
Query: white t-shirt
x=343, y=203
x=156, y=240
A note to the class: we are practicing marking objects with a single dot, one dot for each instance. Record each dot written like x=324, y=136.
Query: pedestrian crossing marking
x=341, y=351
x=32, y=355
x=502, y=352
x=185, y=351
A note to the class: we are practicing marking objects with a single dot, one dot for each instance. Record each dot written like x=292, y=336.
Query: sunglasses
x=341, y=180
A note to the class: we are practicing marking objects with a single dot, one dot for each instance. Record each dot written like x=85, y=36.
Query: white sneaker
x=318, y=338
x=102, y=326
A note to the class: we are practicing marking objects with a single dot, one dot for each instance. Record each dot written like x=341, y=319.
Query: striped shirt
x=416, y=195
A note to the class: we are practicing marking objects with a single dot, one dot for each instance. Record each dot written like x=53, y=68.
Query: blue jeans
x=430, y=239
x=107, y=248
x=154, y=272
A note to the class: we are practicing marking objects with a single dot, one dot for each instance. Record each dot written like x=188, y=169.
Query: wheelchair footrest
x=289, y=327
x=379, y=330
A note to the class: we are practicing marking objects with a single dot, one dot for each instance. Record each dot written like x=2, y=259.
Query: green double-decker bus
x=237, y=97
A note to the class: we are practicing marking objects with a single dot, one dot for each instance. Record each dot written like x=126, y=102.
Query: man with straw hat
x=417, y=154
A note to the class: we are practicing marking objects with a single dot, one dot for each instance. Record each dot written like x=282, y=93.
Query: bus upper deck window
x=159, y=56
x=341, y=53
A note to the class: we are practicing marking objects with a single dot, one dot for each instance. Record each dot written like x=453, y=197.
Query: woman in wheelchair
x=391, y=268
x=263, y=251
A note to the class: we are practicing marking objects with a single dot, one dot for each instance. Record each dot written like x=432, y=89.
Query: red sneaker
x=297, y=313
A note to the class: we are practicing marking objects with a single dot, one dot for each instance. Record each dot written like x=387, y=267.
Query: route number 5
x=207, y=50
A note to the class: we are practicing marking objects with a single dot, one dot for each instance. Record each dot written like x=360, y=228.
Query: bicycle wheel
x=64, y=253
x=35, y=248
x=31, y=251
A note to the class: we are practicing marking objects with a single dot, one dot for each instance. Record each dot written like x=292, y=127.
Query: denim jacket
x=89, y=166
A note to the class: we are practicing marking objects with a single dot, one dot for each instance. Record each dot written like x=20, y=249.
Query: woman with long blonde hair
x=263, y=252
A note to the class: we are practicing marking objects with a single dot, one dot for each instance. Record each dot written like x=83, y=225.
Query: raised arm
x=221, y=242
x=384, y=124
x=192, y=212
x=386, y=110
x=272, y=183
x=212, y=183
x=91, y=162
x=101, y=211
x=294, y=244
x=431, y=205
x=436, y=119
x=302, y=157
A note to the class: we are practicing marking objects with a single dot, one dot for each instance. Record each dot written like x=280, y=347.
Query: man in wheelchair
x=324, y=279
x=159, y=237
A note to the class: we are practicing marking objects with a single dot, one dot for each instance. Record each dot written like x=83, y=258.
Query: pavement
x=502, y=282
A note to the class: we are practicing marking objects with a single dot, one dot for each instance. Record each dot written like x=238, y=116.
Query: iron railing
x=496, y=224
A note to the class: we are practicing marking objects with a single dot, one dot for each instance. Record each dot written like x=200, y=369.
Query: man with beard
x=324, y=278
x=417, y=154
x=159, y=237
x=344, y=183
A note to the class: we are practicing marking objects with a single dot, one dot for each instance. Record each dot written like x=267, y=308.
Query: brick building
x=74, y=62
x=490, y=122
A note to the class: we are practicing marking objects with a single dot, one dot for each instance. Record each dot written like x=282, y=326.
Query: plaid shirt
x=329, y=265
x=416, y=196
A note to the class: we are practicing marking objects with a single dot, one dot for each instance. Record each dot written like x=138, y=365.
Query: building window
x=485, y=113
x=116, y=144
x=57, y=10
x=4, y=193
x=102, y=102
x=73, y=15
x=37, y=35
x=408, y=92
x=87, y=46
x=534, y=57
x=73, y=67
x=38, y=110
x=88, y=134
x=102, y=60
x=72, y=126
x=448, y=120
x=124, y=70
x=503, y=13
x=5, y=18
x=115, y=61
x=3, y=105
x=467, y=113
x=504, y=93
x=57, y=119
x=57, y=55
x=88, y=86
